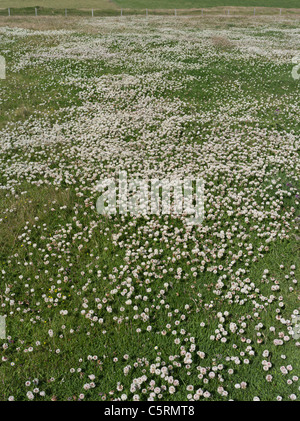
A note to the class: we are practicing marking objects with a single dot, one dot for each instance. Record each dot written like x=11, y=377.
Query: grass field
x=55, y=4
x=143, y=4
x=196, y=4
x=147, y=307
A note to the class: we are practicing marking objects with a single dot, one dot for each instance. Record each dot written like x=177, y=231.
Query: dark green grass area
x=43, y=11
x=143, y=4
x=196, y=4
x=156, y=7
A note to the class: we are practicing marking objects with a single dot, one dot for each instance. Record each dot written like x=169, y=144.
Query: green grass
x=151, y=4
x=54, y=4
x=196, y=4
x=39, y=210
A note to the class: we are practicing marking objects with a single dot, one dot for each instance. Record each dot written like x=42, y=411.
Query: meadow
x=147, y=307
x=150, y=4
x=195, y=4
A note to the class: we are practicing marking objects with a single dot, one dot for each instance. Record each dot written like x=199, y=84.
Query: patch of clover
x=296, y=326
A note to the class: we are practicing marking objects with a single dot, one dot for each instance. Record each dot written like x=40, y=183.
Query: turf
x=196, y=4
x=151, y=4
